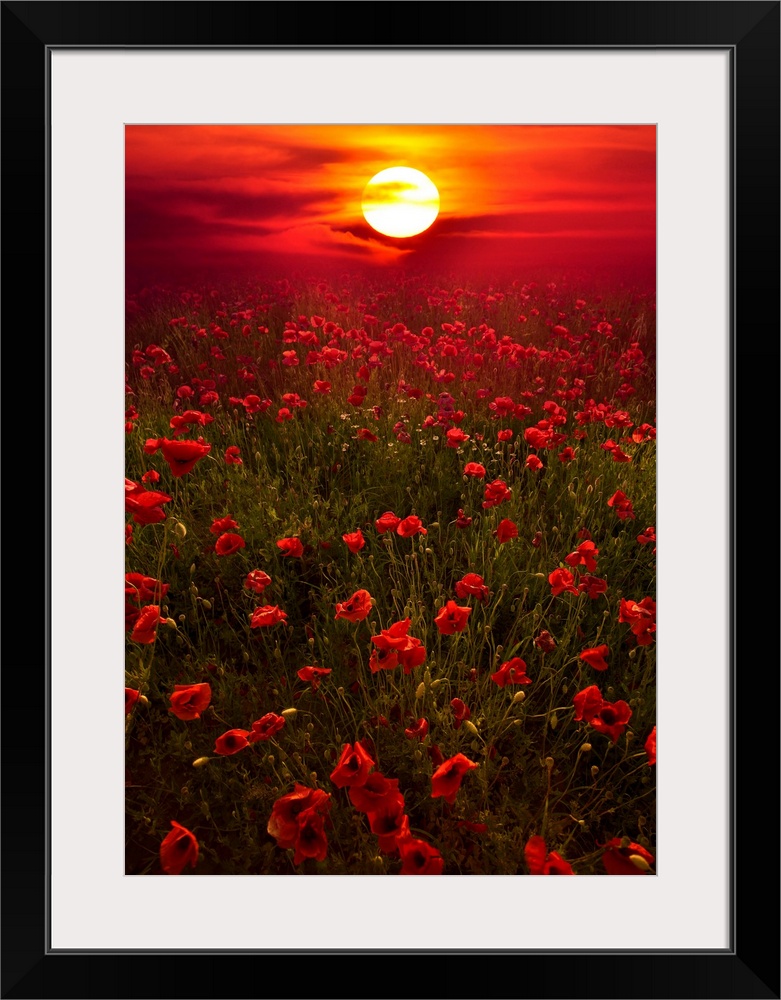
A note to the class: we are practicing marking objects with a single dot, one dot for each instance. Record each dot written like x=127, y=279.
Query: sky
x=208, y=201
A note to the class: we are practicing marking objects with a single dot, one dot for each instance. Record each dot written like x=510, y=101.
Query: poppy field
x=390, y=579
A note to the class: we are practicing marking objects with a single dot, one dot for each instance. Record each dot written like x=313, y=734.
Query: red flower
x=596, y=657
x=622, y=505
x=511, y=672
x=228, y=543
x=266, y=727
x=455, y=437
x=354, y=540
x=355, y=608
x=231, y=742
x=540, y=862
x=145, y=628
x=313, y=675
x=446, y=780
x=495, y=493
x=452, y=618
x=389, y=823
x=606, y=717
x=418, y=857
x=472, y=584
x=376, y=793
x=257, y=580
x=233, y=455
x=567, y=455
x=189, y=700
x=394, y=646
x=364, y=434
x=269, y=614
x=649, y=747
x=505, y=435
x=545, y=642
x=131, y=699
x=418, y=730
x=152, y=476
x=585, y=555
x=474, y=469
x=561, y=580
x=140, y=588
x=624, y=857
x=182, y=455
x=506, y=531
x=587, y=703
x=641, y=617
x=534, y=463
x=311, y=841
x=222, y=524
x=460, y=712
x=647, y=536
x=410, y=526
x=144, y=505
x=592, y=585
x=462, y=521
x=291, y=547
x=388, y=522
x=178, y=849
x=284, y=820
x=353, y=766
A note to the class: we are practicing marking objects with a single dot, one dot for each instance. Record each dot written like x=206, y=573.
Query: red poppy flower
x=228, y=543
x=419, y=857
x=647, y=536
x=311, y=841
x=354, y=540
x=418, y=730
x=189, y=700
x=269, y=614
x=291, y=547
x=410, y=526
x=622, y=505
x=534, y=463
x=596, y=657
x=567, y=455
x=222, y=524
x=288, y=812
x=181, y=456
x=140, y=588
x=506, y=531
x=452, y=618
x=623, y=856
x=152, y=476
x=353, y=766
x=376, y=793
x=446, y=780
x=131, y=699
x=511, y=672
x=313, y=675
x=460, y=712
x=266, y=727
x=356, y=608
x=455, y=437
x=540, y=862
x=561, y=580
x=178, y=849
x=641, y=617
x=505, y=435
x=545, y=642
x=612, y=719
x=364, y=434
x=592, y=585
x=462, y=521
x=145, y=628
x=231, y=742
x=233, y=455
x=495, y=493
x=257, y=580
x=145, y=505
x=388, y=522
x=587, y=703
x=389, y=823
x=472, y=584
x=585, y=555
x=474, y=469
x=649, y=746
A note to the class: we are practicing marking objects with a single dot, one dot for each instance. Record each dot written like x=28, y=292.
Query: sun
x=400, y=201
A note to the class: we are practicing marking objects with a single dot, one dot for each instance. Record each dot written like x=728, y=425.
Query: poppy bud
x=180, y=529
x=193, y=590
x=207, y=605
x=289, y=713
x=594, y=771
x=245, y=656
x=436, y=683
x=640, y=862
x=421, y=690
x=143, y=700
x=192, y=570
x=554, y=721
x=549, y=763
x=271, y=759
x=471, y=727
x=427, y=677
x=586, y=748
x=518, y=697
x=201, y=761
x=170, y=623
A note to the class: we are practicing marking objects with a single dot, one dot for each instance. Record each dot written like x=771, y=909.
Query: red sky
x=206, y=201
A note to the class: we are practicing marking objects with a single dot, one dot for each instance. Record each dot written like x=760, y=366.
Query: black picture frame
x=750, y=967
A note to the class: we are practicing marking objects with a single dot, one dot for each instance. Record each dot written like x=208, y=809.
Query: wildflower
x=495, y=493
x=606, y=717
x=388, y=522
x=269, y=614
x=292, y=547
x=506, y=531
x=472, y=584
x=131, y=699
x=228, y=543
x=313, y=675
x=354, y=541
x=143, y=588
x=419, y=857
x=233, y=455
x=231, y=742
x=389, y=823
x=585, y=555
x=592, y=585
x=410, y=526
x=624, y=857
x=561, y=580
x=452, y=618
x=511, y=672
x=545, y=642
x=222, y=524
x=474, y=469
x=460, y=712
x=189, y=700
x=641, y=617
x=647, y=536
x=145, y=628
x=257, y=580
x=534, y=463
x=418, y=730
x=650, y=747
x=446, y=780
x=540, y=862
x=377, y=792
x=178, y=849
x=146, y=506
x=505, y=435
x=622, y=505
x=596, y=657
x=353, y=766
x=181, y=456
x=266, y=727
x=356, y=608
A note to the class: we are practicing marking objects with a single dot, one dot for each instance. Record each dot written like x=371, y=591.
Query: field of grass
x=390, y=591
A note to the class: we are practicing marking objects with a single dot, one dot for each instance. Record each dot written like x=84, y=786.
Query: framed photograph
x=645, y=138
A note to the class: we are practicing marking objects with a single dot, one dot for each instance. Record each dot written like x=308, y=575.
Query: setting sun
x=400, y=201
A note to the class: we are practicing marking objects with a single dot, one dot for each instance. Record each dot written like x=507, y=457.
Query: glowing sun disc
x=400, y=201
